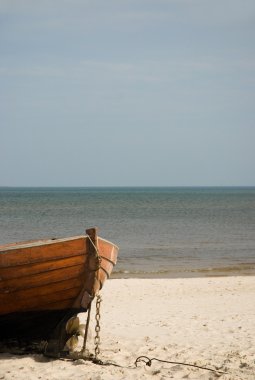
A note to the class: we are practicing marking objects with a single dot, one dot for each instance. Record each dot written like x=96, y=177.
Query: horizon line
x=121, y=186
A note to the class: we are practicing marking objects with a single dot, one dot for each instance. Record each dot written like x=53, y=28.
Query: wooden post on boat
x=92, y=233
x=94, y=257
x=93, y=248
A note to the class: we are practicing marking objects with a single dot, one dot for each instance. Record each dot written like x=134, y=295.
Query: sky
x=127, y=93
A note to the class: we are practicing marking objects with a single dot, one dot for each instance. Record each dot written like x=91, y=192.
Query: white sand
x=207, y=321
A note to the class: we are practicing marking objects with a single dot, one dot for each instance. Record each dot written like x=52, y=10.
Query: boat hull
x=44, y=283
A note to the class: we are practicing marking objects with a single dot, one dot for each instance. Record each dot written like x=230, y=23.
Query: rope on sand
x=148, y=362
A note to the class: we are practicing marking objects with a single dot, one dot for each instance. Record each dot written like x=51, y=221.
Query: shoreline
x=241, y=269
x=207, y=322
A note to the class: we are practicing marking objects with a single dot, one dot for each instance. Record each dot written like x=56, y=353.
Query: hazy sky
x=127, y=92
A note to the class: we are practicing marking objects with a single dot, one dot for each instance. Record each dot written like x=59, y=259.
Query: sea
x=160, y=231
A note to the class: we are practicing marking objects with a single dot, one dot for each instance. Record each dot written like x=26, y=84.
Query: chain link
x=97, y=327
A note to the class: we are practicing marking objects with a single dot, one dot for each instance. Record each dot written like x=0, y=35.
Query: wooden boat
x=44, y=283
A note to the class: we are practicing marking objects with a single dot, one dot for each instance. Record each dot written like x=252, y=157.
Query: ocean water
x=161, y=232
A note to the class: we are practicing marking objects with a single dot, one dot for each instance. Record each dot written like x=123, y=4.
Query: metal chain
x=97, y=327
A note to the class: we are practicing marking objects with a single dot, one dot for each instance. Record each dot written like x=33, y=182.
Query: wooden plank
x=8, y=296
x=32, y=269
x=42, y=253
x=108, y=250
x=41, y=279
x=107, y=265
x=41, y=302
x=4, y=247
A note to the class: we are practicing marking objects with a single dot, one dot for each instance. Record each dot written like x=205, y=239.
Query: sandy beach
x=208, y=322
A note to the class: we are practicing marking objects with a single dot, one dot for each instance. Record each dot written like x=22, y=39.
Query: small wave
x=139, y=271
x=245, y=269
x=232, y=268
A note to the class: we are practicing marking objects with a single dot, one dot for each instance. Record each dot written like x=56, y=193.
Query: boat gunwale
x=6, y=248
